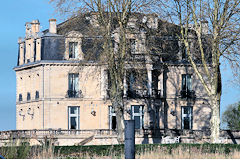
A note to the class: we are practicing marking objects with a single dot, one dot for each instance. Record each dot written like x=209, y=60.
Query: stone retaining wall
x=109, y=137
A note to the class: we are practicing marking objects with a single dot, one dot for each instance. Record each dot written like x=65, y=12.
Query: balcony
x=188, y=94
x=157, y=93
x=138, y=93
x=144, y=93
x=74, y=94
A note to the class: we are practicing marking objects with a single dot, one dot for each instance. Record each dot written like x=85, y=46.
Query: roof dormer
x=73, y=43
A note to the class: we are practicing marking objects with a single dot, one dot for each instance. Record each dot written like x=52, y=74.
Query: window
x=187, y=117
x=137, y=115
x=28, y=96
x=112, y=118
x=187, y=91
x=186, y=82
x=73, y=118
x=37, y=95
x=133, y=46
x=184, y=52
x=73, y=80
x=132, y=81
x=137, y=84
x=73, y=50
x=20, y=97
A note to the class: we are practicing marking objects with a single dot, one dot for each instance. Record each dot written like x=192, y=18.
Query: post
x=125, y=87
x=149, y=74
x=129, y=147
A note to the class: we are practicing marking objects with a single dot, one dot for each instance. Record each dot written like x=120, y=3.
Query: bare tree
x=213, y=28
x=113, y=17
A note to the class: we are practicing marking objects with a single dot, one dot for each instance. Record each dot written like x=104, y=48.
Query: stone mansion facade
x=59, y=86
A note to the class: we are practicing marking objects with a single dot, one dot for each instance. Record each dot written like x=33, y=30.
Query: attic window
x=133, y=46
x=73, y=49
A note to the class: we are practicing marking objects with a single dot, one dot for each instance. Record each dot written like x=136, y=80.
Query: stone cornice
x=56, y=63
x=87, y=63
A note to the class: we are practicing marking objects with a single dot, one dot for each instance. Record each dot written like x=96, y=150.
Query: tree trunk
x=119, y=109
x=215, y=119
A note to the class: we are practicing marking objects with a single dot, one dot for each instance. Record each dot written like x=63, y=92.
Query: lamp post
x=129, y=147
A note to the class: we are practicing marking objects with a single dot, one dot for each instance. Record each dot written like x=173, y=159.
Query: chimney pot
x=52, y=26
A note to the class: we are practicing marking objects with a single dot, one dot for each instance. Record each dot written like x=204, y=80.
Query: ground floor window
x=187, y=117
x=73, y=117
x=112, y=118
x=137, y=115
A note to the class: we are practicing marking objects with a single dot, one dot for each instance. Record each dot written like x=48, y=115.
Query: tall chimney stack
x=205, y=28
x=52, y=26
x=28, y=29
x=35, y=25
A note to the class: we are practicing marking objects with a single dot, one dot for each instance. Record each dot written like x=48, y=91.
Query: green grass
x=113, y=151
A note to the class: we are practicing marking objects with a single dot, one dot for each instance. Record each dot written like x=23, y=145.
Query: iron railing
x=74, y=94
x=144, y=93
x=188, y=94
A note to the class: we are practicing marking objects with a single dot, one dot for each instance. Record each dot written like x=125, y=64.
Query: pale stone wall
x=174, y=81
x=52, y=83
x=201, y=107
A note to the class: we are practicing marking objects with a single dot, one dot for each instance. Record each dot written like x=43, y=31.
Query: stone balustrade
x=105, y=136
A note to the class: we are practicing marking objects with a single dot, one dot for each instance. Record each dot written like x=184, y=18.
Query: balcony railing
x=144, y=93
x=157, y=93
x=137, y=93
x=74, y=94
x=140, y=93
x=188, y=94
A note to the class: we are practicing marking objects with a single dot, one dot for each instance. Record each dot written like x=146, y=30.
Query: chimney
x=204, y=27
x=28, y=29
x=35, y=26
x=52, y=26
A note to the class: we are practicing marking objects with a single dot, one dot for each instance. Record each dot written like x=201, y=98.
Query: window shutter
x=76, y=50
x=76, y=85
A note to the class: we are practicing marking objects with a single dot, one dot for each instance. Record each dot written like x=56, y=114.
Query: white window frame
x=73, y=83
x=187, y=79
x=77, y=115
x=75, y=37
x=111, y=114
x=140, y=114
x=189, y=115
x=75, y=51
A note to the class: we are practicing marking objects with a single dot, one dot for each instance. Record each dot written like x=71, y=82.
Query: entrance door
x=187, y=117
x=137, y=115
x=73, y=118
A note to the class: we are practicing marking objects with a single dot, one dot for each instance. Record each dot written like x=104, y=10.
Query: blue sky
x=13, y=15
